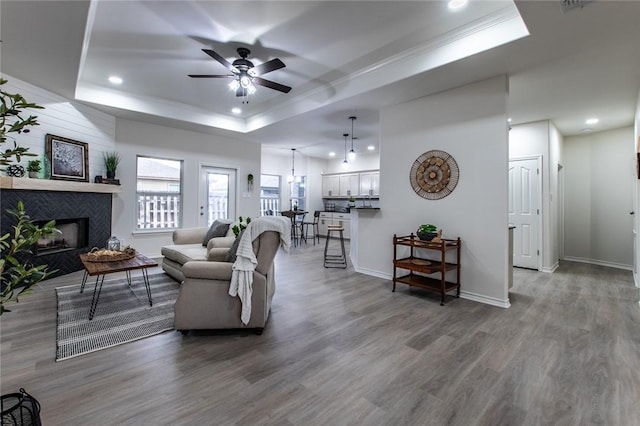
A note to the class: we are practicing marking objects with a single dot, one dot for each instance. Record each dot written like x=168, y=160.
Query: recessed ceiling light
x=457, y=4
x=371, y=147
x=509, y=120
x=332, y=154
x=591, y=121
x=114, y=79
x=236, y=110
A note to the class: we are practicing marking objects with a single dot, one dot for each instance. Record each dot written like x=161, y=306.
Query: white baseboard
x=463, y=294
x=599, y=262
x=552, y=269
x=373, y=273
x=485, y=299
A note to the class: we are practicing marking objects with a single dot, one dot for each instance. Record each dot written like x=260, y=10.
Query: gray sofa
x=187, y=246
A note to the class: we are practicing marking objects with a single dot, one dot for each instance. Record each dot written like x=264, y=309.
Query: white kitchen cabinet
x=334, y=218
x=331, y=186
x=344, y=220
x=369, y=184
x=349, y=184
x=325, y=220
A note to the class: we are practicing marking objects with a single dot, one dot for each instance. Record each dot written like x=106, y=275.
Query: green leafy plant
x=241, y=226
x=11, y=121
x=111, y=161
x=34, y=166
x=17, y=274
x=428, y=228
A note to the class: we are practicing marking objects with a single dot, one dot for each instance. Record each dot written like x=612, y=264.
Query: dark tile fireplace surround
x=84, y=217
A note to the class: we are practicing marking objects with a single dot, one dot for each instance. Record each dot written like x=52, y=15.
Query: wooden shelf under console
x=420, y=264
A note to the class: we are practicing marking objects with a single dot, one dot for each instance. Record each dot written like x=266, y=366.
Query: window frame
x=179, y=220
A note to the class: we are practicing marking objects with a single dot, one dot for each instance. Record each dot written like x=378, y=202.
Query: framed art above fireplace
x=69, y=158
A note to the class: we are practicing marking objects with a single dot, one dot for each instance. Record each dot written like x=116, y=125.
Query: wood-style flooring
x=340, y=348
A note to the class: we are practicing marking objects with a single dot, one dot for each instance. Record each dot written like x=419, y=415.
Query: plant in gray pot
x=34, y=167
x=427, y=232
x=111, y=162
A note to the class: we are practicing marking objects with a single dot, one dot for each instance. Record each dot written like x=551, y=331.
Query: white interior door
x=524, y=211
x=217, y=194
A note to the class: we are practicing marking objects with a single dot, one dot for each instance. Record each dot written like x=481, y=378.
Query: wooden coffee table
x=100, y=269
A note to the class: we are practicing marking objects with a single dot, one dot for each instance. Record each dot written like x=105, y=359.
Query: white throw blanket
x=246, y=262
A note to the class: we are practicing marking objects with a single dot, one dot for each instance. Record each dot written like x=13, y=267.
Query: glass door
x=217, y=194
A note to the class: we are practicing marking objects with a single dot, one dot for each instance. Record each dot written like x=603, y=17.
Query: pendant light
x=345, y=163
x=352, y=153
x=292, y=177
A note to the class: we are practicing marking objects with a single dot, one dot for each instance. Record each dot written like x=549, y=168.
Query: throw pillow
x=231, y=254
x=217, y=229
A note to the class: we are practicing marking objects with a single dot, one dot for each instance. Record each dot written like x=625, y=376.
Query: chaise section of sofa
x=187, y=246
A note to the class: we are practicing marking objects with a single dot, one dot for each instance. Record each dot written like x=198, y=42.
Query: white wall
x=196, y=150
x=599, y=178
x=542, y=139
x=62, y=117
x=470, y=123
x=368, y=161
x=279, y=163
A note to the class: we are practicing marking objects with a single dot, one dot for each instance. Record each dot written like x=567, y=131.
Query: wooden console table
x=420, y=267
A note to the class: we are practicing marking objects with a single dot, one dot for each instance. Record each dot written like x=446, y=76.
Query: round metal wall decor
x=434, y=175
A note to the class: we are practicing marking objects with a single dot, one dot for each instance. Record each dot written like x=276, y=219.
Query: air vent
x=568, y=5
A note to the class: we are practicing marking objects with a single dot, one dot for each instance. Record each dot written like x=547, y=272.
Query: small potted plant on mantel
x=111, y=162
x=34, y=167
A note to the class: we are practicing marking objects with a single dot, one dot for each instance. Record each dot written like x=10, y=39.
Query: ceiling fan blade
x=272, y=65
x=241, y=91
x=210, y=75
x=220, y=59
x=271, y=85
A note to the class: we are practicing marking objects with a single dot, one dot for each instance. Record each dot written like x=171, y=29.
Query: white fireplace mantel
x=55, y=185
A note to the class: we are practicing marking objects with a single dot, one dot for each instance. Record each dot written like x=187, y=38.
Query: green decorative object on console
x=427, y=232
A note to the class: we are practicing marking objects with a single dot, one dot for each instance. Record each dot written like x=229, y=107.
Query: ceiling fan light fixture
x=234, y=84
x=245, y=81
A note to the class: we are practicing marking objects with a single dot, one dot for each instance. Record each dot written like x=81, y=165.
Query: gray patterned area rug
x=123, y=314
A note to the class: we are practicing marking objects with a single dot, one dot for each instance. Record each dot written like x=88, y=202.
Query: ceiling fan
x=245, y=75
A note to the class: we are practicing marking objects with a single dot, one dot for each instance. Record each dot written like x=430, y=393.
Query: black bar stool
x=335, y=260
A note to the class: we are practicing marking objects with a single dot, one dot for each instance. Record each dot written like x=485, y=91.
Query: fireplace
x=84, y=219
x=71, y=234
